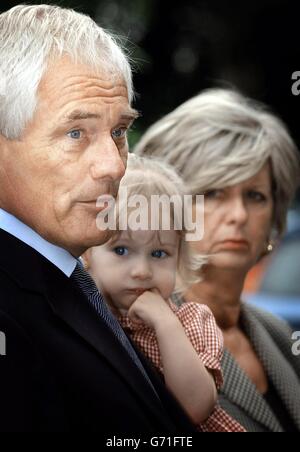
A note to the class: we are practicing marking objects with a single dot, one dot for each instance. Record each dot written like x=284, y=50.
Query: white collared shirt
x=58, y=256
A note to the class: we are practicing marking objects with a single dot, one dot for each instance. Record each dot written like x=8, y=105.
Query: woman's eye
x=121, y=251
x=256, y=196
x=212, y=194
x=159, y=254
x=75, y=134
x=119, y=133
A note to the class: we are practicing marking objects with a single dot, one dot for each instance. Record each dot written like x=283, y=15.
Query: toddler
x=137, y=271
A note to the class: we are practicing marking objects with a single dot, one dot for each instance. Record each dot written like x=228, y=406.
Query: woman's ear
x=86, y=258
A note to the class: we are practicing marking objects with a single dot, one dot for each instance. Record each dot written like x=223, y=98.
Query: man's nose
x=107, y=162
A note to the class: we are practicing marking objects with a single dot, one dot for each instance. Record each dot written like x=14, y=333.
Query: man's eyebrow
x=76, y=115
x=130, y=114
x=79, y=114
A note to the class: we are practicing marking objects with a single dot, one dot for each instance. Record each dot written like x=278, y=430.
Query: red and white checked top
x=200, y=327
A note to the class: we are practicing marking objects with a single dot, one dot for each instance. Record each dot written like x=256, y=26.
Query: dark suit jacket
x=64, y=370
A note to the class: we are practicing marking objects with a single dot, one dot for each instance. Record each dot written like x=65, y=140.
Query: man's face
x=74, y=150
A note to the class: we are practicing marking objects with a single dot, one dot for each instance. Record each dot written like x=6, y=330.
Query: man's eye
x=159, y=254
x=119, y=133
x=75, y=134
x=121, y=251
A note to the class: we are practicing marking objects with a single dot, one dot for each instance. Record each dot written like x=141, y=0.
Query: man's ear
x=86, y=258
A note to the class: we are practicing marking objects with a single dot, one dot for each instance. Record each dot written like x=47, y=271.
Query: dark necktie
x=90, y=290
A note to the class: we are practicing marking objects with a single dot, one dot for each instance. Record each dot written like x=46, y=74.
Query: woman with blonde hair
x=243, y=160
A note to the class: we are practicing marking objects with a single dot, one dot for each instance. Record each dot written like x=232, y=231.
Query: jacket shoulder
x=273, y=324
x=279, y=330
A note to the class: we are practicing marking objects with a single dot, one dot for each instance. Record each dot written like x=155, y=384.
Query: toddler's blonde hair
x=148, y=177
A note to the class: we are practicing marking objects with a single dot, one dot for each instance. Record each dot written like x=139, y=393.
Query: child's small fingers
x=132, y=314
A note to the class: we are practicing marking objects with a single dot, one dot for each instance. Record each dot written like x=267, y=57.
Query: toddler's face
x=133, y=263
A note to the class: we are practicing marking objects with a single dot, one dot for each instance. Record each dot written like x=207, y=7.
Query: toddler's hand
x=151, y=308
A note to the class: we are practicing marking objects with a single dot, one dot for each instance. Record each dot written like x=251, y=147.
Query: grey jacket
x=271, y=339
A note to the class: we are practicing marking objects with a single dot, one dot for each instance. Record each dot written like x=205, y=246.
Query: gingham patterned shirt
x=200, y=327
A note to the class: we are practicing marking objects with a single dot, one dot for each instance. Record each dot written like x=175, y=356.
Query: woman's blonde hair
x=148, y=177
x=220, y=138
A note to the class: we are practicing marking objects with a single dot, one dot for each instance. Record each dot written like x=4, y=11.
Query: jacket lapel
x=70, y=305
x=239, y=389
x=275, y=363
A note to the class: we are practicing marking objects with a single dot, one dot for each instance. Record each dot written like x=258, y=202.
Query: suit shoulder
x=278, y=330
x=15, y=337
x=7, y=281
x=271, y=322
x=11, y=294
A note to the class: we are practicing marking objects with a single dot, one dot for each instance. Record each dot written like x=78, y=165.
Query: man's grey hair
x=32, y=35
x=220, y=138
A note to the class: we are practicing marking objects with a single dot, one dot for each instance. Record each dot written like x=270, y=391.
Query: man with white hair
x=64, y=112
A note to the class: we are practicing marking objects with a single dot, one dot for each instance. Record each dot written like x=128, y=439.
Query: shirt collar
x=58, y=256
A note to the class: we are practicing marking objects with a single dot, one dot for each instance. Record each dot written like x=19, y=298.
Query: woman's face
x=238, y=222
